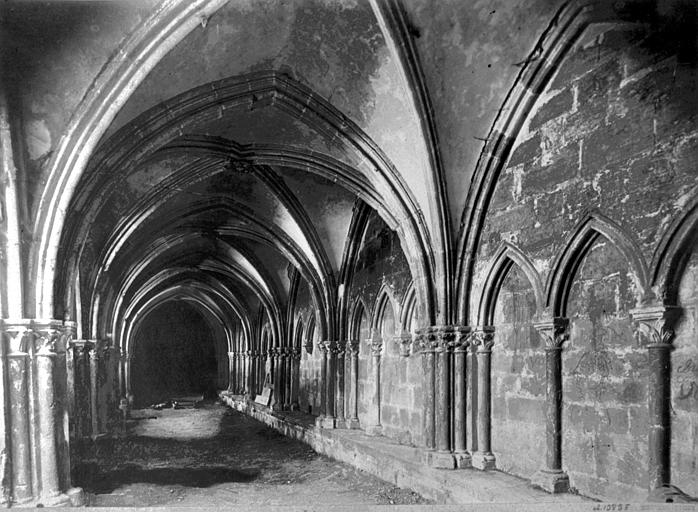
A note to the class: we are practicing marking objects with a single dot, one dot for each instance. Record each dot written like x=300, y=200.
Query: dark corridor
x=174, y=355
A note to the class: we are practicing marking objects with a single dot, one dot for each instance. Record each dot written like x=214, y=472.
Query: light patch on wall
x=38, y=138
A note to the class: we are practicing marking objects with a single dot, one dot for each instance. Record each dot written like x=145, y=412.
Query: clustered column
x=443, y=351
x=340, y=411
x=552, y=478
x=320, y=420
x=37, y=400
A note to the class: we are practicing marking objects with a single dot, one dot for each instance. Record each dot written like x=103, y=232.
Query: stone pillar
x=239, y=374
x=231, y=372
x=460, y=349
x=295, y=377
x=19, y=337
x=276, y=377
x=552, y=478
x=323, y=384
x=339, y=409
x=443, y=458
x=428, y=344
x=247, y=360
x=288, y=379
x=81, y=387
x=123, y=399
x=45, y=350
x=483, y=340
x=655, y=330
x=94, y=388
x=128, y=365
x=330, y=383
x=354, y=346
x=376, y=428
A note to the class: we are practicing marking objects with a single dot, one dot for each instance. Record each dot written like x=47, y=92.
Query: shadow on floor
x=94, y=480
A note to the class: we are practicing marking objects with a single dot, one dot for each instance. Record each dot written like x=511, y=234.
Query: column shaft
x=45, y=365
x=340, y=386
x=462, y=456
x=19, y=424
x=484, y=339
x=354, y=422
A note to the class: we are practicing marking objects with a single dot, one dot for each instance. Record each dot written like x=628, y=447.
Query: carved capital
x=322, y=347
x=296, y=353
x=463, y=338
x=341, y=349
x=18, y=334
x=354, y=347
x=482, y=339
x=404, y=342
x=654, y=326
x=331, y=347
x=81, y=348
x=47, y=336
x=554, y=332
x=428, y=340
x=376, y=347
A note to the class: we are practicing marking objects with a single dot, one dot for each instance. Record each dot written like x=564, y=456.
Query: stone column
x=123, y=399
x=552, y=478
x=354, y=346
x=376, y=428
x=45, y=350
x=330, y=383
x=295, y=377
x=247, y=374
x=239, y=373
x=231, y=372
x=655, y=330
x=428, y=344
x=323, y=383
x=128, y=365
x=288, y=378
x=18, y=338
x=483, y=340
x=276, y=377
x=341, y=419
x=94, y=388
x=460, y=350
x=443, y=458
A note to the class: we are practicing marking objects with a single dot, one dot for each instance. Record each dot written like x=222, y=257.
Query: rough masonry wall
x=684, y=385
x=612, y=135
x=311, y=357
x=381, y=268
x=518, y=380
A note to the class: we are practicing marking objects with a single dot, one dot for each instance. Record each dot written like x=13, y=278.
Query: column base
x=74, y=497
x=374, y=430
x=328, y=422
x=551, y=480
x=463, y=460
x=440, y=460
x=353, y=424
x=669, y=494
x=483, y=461
x=341, y=423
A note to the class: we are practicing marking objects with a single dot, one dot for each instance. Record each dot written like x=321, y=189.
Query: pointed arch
x=583, y=237
x=384, y=299
x=673, y=252
x=358, y=315
x=408, y=307
x=506, y=256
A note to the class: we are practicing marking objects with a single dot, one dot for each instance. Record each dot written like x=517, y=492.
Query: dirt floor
x=214, y=456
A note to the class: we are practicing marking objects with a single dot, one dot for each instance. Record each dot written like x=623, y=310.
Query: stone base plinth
x=353, y=424
x=439, y=460
x=374, y=430
x=669, y=494
x=483, y=461
x=553, y=481
x=463, y=460
x=325, y=422
x=340, y=423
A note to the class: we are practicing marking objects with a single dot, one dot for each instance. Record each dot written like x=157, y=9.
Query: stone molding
x=655, y=325
x=482, y=339
x=553, y=331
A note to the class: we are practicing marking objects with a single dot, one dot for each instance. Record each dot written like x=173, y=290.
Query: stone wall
x=602, y=167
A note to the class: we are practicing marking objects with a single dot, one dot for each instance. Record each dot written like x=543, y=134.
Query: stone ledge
x=403, y=465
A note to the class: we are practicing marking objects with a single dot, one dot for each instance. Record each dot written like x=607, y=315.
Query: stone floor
x=215, y=456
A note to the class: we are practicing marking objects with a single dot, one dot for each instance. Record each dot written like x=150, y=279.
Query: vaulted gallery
x=464, y=230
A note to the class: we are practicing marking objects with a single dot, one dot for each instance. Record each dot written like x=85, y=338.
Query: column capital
x=354, y=346
x=655, y=325
x=331, y=346
x=341, y=348
x=376, y=346
x=18, y=332
x=48, y=336
x=404, y=342
x=438, y=338
x=81, y=347
x=296, y=353
x=554, y=331
x=322, y=347
x=482, y=338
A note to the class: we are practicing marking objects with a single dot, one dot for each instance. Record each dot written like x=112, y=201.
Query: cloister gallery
x=469, y=228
